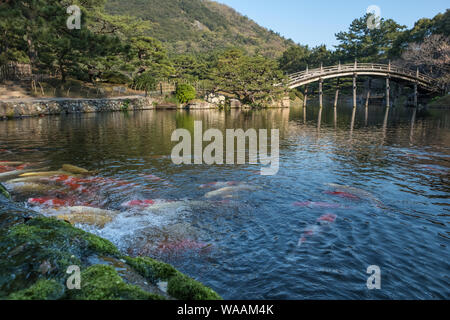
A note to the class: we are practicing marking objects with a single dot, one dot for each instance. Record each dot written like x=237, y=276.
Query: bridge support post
x=388, y=91
x=354, y=90
x=336, y=97
x=415, y=95
x=368, y=93
x=321, y=93
x=305, y=98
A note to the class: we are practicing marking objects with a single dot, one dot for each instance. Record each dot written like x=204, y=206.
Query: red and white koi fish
x=322, y=221
x=73, y=183
x=323, y=205
x=51, y=202
x=6, y=169
x=342, y=194
x=138, y=203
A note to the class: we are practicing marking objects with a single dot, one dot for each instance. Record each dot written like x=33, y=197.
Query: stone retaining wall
x=10, y=109
x=29, y=108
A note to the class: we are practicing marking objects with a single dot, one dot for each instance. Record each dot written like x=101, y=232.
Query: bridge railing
x=312, y=73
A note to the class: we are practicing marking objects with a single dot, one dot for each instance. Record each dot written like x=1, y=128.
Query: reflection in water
x=335, y=117
x=352, y=124
x=366, y=115
x=385, y=122
x=413, y=121
x=242, y=238
x=319, y=120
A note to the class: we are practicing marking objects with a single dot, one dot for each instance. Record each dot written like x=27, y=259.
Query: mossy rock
x=44, y=247
x=4, y=192
x=102, y=282
x=35, y=252
x=41, y=290
x=180, y=286
x=151, y=269
x=184, y=288
x=61, y=235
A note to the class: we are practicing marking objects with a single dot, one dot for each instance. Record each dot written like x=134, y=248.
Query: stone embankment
x=17, y=108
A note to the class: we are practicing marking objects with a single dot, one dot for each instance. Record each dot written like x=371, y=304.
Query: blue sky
x=315, y=22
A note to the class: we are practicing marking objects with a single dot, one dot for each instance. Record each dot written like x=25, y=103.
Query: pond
x=354, y=189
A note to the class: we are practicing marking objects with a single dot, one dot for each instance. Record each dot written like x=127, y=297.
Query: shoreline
x=19, y=108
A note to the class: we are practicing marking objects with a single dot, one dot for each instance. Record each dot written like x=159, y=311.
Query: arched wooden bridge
x=387, y=71
x=361, y=69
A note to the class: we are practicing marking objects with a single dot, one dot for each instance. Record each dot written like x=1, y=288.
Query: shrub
x=185, y=93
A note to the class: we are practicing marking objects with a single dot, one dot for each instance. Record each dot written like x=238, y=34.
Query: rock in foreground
x=35, y=253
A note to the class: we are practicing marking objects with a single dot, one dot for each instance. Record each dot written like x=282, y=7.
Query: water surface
x=246, y=247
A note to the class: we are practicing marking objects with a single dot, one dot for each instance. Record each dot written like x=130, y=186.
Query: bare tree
x=432, y=57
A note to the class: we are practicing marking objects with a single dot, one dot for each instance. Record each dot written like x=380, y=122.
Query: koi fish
x=73, y=169
x=362, y=194
x=30, y=187
x=219, y=184
x=322, y=221
x=230, y=191
x=10, y=163
x=323, y=205
x=343, y=194
x=43, y=174
x=327, y=218
x=138, y=203
x=86, y=218
x=6, y=169
x=11, y=174
x=83, y=215
x=51, y=202
x=22, y=166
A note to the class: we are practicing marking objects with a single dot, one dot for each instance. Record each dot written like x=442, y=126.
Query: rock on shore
x=35, y=253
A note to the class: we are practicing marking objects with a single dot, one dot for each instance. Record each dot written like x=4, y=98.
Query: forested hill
x=193, y=26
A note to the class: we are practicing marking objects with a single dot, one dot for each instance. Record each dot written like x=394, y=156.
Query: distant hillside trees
x=432, y=56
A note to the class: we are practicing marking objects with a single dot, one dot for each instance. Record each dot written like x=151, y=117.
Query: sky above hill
x=315, y=22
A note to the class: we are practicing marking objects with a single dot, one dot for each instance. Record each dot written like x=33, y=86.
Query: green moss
x=42, y=290
x=102, y=282
x=4, y=192
x=184, y=288
x=43, y=229
x=101, y=245
x=125, y=106
x=10, y=115
x=180, y=286
x=152, y=269
x=44, y=247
